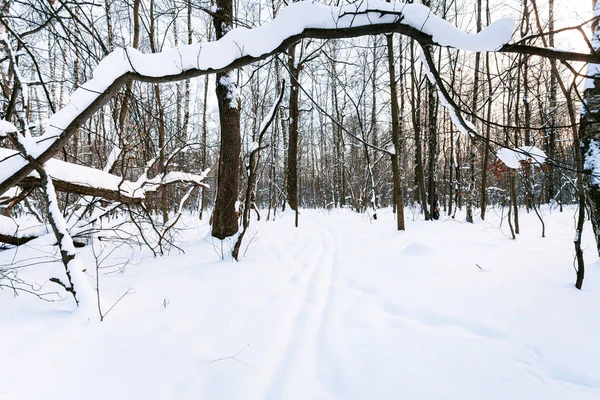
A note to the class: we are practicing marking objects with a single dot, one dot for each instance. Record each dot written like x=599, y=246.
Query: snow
x=74, y=267
x=228, y=80
x=69, y=172
x=6, y=128
x=148, y=185
x=241, y=42
x=464, y=126
x=100, y=179
x=340, y=308
x=66, y=243
x=513, y=158
x=593, y=69
x=112, y=158
x=22, y=228
x=591, y=161
x=10, y=193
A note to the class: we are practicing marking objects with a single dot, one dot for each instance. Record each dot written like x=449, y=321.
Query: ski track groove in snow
x=296, y=341
x=434, y=320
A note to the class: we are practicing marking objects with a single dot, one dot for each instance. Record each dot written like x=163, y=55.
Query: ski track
x=293, y=356
x=435, y=320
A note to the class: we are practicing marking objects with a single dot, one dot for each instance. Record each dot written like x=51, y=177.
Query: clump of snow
x=514, y=158
x=8, y=226
x=592, y=161
x=6, y=128
x=22, y=227
x=228, y=80
x=112, y=158
x=593, y=71
x=59, y=221
x=10, y=193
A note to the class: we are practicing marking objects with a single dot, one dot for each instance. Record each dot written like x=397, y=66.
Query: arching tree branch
x=241, y=47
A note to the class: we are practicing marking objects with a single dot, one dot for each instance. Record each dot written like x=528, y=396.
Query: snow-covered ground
x=340, y=308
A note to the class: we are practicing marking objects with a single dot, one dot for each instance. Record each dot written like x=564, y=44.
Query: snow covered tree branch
x=243, y=46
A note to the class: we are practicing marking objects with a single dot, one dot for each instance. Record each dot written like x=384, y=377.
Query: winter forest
x=270, y=199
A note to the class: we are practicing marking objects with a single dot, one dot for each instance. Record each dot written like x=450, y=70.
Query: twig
x=233, y=357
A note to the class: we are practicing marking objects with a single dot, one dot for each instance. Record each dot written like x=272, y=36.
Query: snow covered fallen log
x=86, y=181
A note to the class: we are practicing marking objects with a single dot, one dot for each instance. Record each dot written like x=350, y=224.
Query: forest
x=272, y=152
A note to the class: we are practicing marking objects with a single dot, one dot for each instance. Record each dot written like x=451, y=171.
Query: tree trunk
x=432, y=110
x=590, y=136
x=434, y=210
x=550, y=141
x=472, y=149
x=398, y=199
x=292, y=155
x=225, y=220
x=203, y=160
x=419, y=173
x=162, y=139
x=486, y=152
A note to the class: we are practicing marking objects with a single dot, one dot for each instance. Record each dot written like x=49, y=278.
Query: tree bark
x=550, y=140
x=294, y=114
x=419, y=173
x=225, y=220
x=470, y=195
x=589, y=133
x=398, y=198
x=486, y=145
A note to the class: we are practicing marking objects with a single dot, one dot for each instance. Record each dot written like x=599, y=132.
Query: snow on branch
x=6, y=128
x=243, y=46
x=73, y=178
x=16, y=234
x=463, y=125
x=517, y=158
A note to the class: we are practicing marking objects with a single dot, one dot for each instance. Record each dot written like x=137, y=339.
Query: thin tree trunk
x=398, y=198
x=432, y=110
x=486, y=153
x=186, y=110
x=109, y=24
x=294, y=113
x=472, y=149
x=204, y=144
x=419, y=174
x=135, y=44
x=160, y=119
x=434, y=210
x=552, y=112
